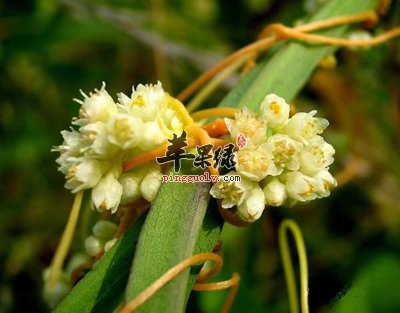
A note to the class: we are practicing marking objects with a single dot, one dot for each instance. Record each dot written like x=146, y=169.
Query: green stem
x=214, y=83
x=285, y=227
x=65, y=243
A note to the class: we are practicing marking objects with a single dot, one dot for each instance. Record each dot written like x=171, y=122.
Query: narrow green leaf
x=101, y=290
x=174, y=218
x=167, y=237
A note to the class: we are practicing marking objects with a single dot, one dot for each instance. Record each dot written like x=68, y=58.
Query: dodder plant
x=112, y=151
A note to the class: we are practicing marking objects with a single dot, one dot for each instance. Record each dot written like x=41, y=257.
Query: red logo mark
x=241, y=141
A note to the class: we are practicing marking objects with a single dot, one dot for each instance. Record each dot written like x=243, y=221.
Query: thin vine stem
x=214, y=83
x=66, y=239
x=292, y=227
x=200, y=285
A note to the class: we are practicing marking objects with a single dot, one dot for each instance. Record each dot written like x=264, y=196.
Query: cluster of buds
x=285, y=160
x=102, y=238
x=108, y=133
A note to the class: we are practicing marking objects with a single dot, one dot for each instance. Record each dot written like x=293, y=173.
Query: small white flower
x=150, y=98
x=275, y=192
x=325, y=183
x=97, y=143
x=107, y=194
x=232, y=193
x=275, y=110
x=316, y=156
x=84, y=173
x=252, y=205
x=145, y=101
x=285, y=152
x=93, y=246
x=126, y=130
x=152, y=136
x=72, y=141
x=169, y=122
x=300, y=187
x=304, y=126
x=97, y=107
x=151, y=184
x=255, y=162
x=254, y=128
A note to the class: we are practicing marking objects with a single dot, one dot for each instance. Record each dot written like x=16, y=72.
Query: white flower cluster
x=111, y=132
x=285, y=160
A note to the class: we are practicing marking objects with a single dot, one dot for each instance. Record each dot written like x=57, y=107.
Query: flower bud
x=77, y=260
x=151, y=184
x=275, y=110
x=55, y=294
x=252, y=206
x=274, y=192
x=93, y=246
x=104, y=230
x=130, y=186
x=107, y=194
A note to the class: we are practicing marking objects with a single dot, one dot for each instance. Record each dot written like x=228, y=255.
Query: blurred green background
x=51, y=49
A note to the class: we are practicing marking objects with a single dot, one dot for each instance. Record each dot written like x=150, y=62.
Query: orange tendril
x=200, y=115
x=383, y=7
x=279, y=32
x=144, y=158
x=288, y=32
x=200, y=285
x=217, y=128
x=202, y=138
x=197, y=135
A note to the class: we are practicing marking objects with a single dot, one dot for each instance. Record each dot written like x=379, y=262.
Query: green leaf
x=375, y=288
x=178, y=221
x=168, y=236
x=101, y=290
